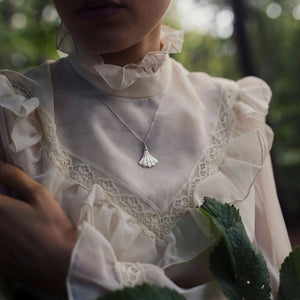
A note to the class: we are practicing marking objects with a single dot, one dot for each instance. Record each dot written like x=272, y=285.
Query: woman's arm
x=37, y=238
x=39, y=246
x=270, y=230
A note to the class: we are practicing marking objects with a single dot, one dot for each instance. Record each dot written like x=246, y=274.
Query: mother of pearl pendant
x=148, y=161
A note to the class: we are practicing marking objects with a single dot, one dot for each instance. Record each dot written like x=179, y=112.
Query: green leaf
x=236, y=264
x=143, y=292
x=290, y=277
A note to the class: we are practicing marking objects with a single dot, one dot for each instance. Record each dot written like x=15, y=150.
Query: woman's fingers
x=33, y=230
x=16, y=179
x=12, y=210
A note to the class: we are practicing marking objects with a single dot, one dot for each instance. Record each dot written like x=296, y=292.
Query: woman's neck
x=137, y=52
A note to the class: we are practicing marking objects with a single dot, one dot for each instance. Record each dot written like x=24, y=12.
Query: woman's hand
x=36, y=237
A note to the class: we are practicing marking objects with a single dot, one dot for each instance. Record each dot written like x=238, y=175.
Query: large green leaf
x=235, y=263
x=290, y=277
x=143, y=292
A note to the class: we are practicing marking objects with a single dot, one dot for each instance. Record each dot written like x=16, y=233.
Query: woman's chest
x=109, y=140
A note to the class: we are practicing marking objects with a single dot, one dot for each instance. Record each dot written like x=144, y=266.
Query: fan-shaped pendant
x=148, y=161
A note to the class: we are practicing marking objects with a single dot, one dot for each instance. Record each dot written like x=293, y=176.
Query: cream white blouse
x=137, y=224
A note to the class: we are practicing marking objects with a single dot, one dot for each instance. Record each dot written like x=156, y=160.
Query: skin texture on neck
x=121, y=31
x=137, y=52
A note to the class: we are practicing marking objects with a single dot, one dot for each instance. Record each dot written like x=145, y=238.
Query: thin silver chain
x=144, y=141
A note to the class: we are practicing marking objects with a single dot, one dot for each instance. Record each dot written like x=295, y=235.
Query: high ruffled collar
x=147, y=78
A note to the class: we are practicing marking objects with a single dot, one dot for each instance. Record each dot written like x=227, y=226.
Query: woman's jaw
x=121, y=31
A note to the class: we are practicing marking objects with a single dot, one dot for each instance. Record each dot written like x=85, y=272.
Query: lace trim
x=216, y=151
x=153, y=222
x=208, y=164
x=128, y=273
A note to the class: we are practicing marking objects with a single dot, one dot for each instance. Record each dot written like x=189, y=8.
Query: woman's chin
x=105, y=44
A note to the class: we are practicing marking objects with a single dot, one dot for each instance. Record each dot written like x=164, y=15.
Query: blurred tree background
x=227, y=38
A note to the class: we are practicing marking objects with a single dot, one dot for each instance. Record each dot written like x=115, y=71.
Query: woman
x=120, y=143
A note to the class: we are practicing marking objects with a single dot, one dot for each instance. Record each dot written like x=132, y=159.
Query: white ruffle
x=116, y=77
x=122, y=77
x=20, y=109
x=26, y=145
x=46, y=161
x=91, y=206
x=248, y=146
x=95, y=270
x=246, y=150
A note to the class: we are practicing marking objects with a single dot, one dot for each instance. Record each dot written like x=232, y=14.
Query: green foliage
x=204, y=53
x=143, y=292
x=239, y=268
x=275, y=47
x=290, y=277
x=26, y=35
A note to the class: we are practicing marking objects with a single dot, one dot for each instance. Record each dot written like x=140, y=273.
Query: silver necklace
x=147, y=159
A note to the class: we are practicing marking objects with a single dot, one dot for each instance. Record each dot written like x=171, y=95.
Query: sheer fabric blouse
x=141, y=224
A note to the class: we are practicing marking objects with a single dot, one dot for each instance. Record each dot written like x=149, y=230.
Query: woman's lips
x=105, y=10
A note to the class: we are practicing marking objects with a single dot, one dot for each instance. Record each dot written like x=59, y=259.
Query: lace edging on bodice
x=154, y=222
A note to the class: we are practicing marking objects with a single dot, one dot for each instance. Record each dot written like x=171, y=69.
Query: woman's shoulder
x=21, y=94
x=28, y=83
x=247, y=87
x=35, y=83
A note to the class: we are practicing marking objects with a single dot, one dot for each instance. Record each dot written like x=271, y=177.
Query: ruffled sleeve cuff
x=92, y=268
x=94, y=271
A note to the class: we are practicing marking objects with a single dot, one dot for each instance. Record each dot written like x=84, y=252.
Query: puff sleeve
x=270, y=232
x=245, y=178
x=271, y=236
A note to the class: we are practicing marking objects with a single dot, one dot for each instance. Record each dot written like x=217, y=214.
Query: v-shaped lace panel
x=154, y=222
